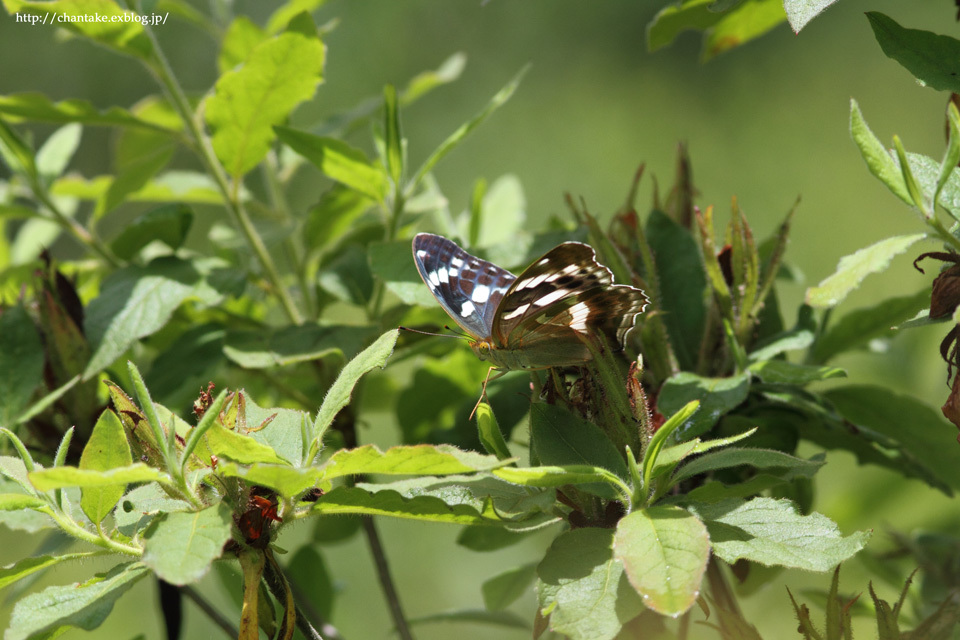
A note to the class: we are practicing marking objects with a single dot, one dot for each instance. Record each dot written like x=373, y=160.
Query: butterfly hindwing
x=469, y=289
x=561, y=299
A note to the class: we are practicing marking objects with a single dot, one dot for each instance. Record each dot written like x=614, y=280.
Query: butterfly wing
x=558, y=301
x=469, y=289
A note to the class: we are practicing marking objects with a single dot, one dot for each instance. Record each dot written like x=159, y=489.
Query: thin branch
x=218, y=618
x=386, y=580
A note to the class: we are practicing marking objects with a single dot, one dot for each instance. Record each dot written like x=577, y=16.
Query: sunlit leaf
x=664, y=551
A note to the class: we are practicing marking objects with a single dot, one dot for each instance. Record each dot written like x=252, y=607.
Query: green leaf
x=933, y=59
x=347, y=276
x=490, y=435
x=338, y=396
x=502, y=590
x=422, y=459
x=488, y=538
x=951, y=156
x=854, y=268
x=919, y=431
x=21, y=363
x=771, y=532
x=55, y=154
x=26, y=566
x=15, y=151
x=338, y=160
x=170, y=186
x=717, y=396
x=506, y=619
x=139, y=506
x=169, y=224
x=344, y=500
x=783, y=372
x=926, y=172
x=135, y=302
x=83, y=605
x=242, y=448
x=670, y=457
x=106, y=449
x=682, y=284
x=242, y=36
x=664, y=551
x=672, y=20
x=180, y=547
x=19, y=501
x=858, y=327
x=464, y=130
x=800, y=12
x=558, y=476
x=757, y=458
x=559, y=438
x=56, y=478
x=518, y=503
x=426, y=81
x=248, y=102
x=749, y=20
x=284, y=479
x=880, y=163
x=583, y=589
x=393, y=263
x=394, y=138
x=116, y=28
x=19, y=107
x=280, y=346
x=652, y=455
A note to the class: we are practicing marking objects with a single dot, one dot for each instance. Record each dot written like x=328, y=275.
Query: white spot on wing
x=480, y=294
x=516, y=312
x=467, y=309
x=532, y=282
x=551, y=297
x=579, y=314
x=421, y=253
x=443, y=275
x=457, y=262
x=434, y=279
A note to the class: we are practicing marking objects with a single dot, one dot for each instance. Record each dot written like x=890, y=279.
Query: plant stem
x=81, y=233
x=310, y=614
x=72, y=528
x=386, y=581
x=720, y=589
x=168, y=81
x=218, y=618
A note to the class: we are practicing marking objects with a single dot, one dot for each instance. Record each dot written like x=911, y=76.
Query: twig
x=386, y=581
x=218, y=618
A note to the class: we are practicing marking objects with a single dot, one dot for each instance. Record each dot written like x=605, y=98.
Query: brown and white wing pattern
x=560, y=300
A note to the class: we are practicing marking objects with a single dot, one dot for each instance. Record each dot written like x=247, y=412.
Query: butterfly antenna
x=430, y=333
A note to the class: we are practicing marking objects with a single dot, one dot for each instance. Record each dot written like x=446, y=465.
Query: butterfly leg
x=483, y=393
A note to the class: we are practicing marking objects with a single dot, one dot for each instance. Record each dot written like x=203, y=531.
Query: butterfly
x=542, y=318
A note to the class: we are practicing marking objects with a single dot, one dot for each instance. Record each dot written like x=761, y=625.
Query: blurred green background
x=766, y=123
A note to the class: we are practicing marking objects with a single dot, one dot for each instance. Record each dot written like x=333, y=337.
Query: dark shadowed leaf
x=84, y=605
x=583, y=588
x=933, y=59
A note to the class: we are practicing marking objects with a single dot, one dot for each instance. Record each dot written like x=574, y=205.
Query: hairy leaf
x=181, y=546
x=664, y=551
x=854, y=268
x=248, y=102
x=771, y=532
x=583, y=589
x=83, y=605
x=106, y=449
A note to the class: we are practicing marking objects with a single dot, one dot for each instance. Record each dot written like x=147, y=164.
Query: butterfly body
x=542, y=318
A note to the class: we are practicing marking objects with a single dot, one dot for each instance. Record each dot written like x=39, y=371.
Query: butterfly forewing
x=469, y=289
